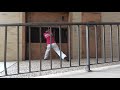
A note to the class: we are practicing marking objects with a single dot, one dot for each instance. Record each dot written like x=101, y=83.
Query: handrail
x=59, y=23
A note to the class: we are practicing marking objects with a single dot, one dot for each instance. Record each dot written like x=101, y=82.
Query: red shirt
x=47, y=37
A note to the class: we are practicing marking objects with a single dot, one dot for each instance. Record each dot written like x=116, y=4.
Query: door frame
x=24, y=51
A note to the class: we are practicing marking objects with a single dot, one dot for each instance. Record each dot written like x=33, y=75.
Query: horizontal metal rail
x=55, y=23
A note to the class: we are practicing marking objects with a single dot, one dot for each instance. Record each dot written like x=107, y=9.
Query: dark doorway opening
x=35, y=36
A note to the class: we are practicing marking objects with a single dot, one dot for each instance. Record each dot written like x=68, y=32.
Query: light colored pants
x=57, y=50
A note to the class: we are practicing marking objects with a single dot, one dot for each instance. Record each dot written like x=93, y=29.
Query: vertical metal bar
x=18, y=59
x=118, y=42
x=29, y=49
x=5, y=51
x=96, y=43
x=40, y=48
x=104, y=51
x=60, y=46
x=111, y=46
x=51, y=47
x=87, y=49
x=69, y=43
x=79, y=44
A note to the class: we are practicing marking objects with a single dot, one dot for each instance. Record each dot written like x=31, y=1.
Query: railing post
x=18, y=58
x=5, y=51
x=29, y=49
x=69, y=43
x=40, y=48
x=79, y=44
x=111, y=44
x=96, y=43
x=104, y=51
x=50, y=47
x=87, y=49
x=60, y=46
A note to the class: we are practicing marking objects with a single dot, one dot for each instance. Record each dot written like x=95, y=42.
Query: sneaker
x=66, y=58
x=45, y=59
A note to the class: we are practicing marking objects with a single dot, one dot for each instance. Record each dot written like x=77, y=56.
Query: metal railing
x=69, y=25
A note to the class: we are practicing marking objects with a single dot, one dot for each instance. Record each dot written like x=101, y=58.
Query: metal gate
x=107, y=26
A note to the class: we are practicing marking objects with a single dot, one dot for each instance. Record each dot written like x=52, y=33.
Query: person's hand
x=51, y=34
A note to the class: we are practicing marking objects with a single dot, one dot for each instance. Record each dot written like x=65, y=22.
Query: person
x=47, y=36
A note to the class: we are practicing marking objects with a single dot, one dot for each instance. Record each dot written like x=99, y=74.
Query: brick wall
x=47, y=16
x=111, y=17
x=17, y=17
x=10, y=17
x=75, y=17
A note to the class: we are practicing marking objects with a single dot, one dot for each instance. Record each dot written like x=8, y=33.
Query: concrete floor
x=112, y=71
x=46, y=64
x=8, y=64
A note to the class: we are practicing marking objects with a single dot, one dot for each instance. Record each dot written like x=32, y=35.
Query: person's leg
x=47, y=52
x=57, y=50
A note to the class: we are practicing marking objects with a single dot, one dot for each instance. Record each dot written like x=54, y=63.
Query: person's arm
x=51, y=33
